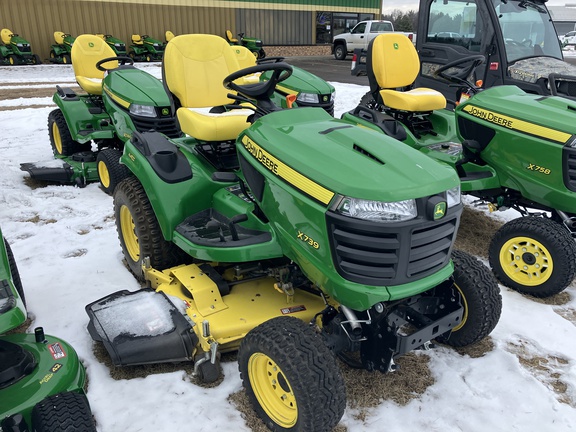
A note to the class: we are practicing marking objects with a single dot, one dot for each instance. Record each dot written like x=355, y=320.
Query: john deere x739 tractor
x=61, y=52
x=285, y=234
x=15, y=50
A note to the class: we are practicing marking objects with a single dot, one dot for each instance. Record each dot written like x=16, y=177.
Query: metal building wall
x=275, y=27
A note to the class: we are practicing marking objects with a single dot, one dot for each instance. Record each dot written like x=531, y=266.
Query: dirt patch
x=566, y=313
x=555, y=300
x=475, y=232
x=546, y=368
x=38, y=220
x=27, y=92
x=477, y=350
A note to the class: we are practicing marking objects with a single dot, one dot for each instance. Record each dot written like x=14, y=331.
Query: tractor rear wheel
x=139, y=231
x=110, y=171
x=291, y=377
x=480, y=296
x=534, y=256
x=36, y=59
x=66, y=59
x=14, y=272
x=13, y=60
x=64, y=412
x=60, y=137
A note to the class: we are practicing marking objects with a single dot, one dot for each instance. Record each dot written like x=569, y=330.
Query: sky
x=66, y=247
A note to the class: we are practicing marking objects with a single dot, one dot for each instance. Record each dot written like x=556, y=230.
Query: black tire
x=15, y=274
x=13, y=60
x=139, y=231
x=36, y=59
x=340, y=52
x=64, y=412
x=261, y=54
x=52, y=54
x=60, y=137
x=110, y=171
x=291, y=377
x=148, y=58
x=66, y=59
x=480, y=296
x=534, y=256
x=208, y=372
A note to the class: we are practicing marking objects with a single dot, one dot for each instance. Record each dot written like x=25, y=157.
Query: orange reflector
x=290, y=99
x=494, y=66
x=479, y=83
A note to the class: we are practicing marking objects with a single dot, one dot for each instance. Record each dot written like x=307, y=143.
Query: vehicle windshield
x=527, y=29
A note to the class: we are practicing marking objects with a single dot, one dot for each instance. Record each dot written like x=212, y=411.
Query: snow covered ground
x=65, y=243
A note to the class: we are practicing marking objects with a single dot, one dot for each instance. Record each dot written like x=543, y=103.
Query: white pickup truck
x=360, y=36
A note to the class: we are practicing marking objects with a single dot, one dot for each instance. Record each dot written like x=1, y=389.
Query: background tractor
x=61, y=52
x=15, y=50
x=146, y=48
x=118, y=46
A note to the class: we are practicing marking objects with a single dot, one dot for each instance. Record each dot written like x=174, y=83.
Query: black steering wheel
x=266, y=60
x=460, y=76
x=262, y=90
x=120, y=59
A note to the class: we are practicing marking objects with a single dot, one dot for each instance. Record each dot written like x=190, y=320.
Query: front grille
x=328, y=106
x=164, y=125
x=25, y=49
x=569, y=167
x=379, y=254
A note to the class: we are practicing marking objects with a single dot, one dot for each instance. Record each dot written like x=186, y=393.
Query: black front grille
x=569, y=167
x=25, y=49
x=379, y=254
x=164, y=125
x=328, y=106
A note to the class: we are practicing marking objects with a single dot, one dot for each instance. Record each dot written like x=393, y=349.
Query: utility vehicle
x=287, y=235
x=61, y=52
x=15, y=50
x=146, y=48
x=511, y=149
x=42, y=381
x=254, y=45
x=116, y=44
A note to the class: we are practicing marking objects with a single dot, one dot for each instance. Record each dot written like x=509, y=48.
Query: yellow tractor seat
x=395, y=64
x=137, y=39
x=246, y=59
x=230, y=37
x=59, y=37
x=86, y=52
x=194, y=67
x=6, y=36
x=169, y=36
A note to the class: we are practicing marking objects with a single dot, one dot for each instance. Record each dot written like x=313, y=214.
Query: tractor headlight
x=307, y=98
x=453, y=196
x=377, y=211
x=143, y=110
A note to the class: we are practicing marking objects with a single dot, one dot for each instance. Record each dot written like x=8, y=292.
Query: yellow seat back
x=137, y=39
x=6, y=36
x=101, y=36
x=230, y=37
x=244, y=56
x=169, y=35
x=195, y=66
x=86, y=52
x=59, y=37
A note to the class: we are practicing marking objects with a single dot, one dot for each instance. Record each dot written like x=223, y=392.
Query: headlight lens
x=453, y=197
x=307, y=98
x=378, y=211
x=143, y=110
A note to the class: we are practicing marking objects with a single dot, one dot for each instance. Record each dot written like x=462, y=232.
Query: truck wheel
x=340, y=52
x=14, y=272
x=110, y=171
x=60, y=138
x=139, y=231
x=291, y=377
x=534, y=256
x=480, y=296
x=64, y=412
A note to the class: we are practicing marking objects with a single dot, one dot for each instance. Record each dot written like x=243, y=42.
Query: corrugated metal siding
x=276, y=27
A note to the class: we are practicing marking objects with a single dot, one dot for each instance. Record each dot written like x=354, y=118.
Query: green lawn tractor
x=116, y=44
x=42, y=381
x=510, y=149
x=287, y=235
x=87, y=131
x=254, y=45
x=61, y=52
x=146, y=48
x=15, y=50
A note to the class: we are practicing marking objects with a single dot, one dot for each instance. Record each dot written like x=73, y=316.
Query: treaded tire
x=289, y=351
x=535, y=241
x=60, y=138
x=110, y=171
x=340, y=52
x=64, y=412
x=480, y=296
x=144, y=238
x=15, y=273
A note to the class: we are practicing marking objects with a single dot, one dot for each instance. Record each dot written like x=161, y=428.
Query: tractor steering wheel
x=267, y=60
x=262, y=90
x=460, y=76
x=120, y=59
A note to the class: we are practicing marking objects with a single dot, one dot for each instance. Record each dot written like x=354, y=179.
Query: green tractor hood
x=12, y=309
x=338, y=158
x=302, y=81
x=132, y=87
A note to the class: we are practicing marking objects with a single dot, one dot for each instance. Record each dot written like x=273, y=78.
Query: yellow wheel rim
x=57, y=138
x=129, y=236
x=526, y=261
x=465, y=305
x=103, y=174
x=12, y=60
x=272, y=390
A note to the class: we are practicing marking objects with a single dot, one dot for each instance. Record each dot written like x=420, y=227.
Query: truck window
x=527, y=30
x=455, y=22
x=360, y=28
x=379, y=27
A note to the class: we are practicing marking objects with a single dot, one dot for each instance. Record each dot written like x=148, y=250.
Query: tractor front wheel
x=110, y=171
x=64, y=412
x=534, y=256
x=480, y=296
x=139, y=231
x=36, y=59
x=13, y=60
x=60, y=137
x=291, y=377
x=66, y=59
